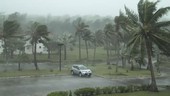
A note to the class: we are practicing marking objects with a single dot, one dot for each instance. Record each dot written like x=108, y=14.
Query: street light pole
x=60, y=45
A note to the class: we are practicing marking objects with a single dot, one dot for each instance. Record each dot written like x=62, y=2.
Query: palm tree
x=39, y=34
x=109, y=28
x=67, y=40
x=10, y=29
x=80, y=28
x=148, y=30
x=98, y=40
x=87, y=37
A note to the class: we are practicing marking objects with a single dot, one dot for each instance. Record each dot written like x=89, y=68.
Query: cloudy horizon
x=71, y=7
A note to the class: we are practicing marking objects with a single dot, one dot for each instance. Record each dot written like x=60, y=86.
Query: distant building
x=28, y=48
x=40, y=48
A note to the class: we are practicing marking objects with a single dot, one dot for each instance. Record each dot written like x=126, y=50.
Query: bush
x=107, y=90
x=121, y=89
x=60, y=93
x=98, y=91
x=85, y=92
x=130, y=88
x=144, y=87
x=137, y=88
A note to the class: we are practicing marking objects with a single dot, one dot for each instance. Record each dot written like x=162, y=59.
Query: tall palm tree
x=80, y=28
x=97, y=40
x=148, y=30
x=39, y=34
x=87, y=36
x=109, y=28
x=10, y=30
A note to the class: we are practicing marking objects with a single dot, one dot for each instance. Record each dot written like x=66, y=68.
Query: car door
x=76, y=69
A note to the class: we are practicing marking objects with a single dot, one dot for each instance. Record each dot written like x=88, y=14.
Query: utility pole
x=60, y=45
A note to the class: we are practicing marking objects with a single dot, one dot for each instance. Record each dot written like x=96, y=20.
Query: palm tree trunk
x=65, y=52
x=107, y=51
x=86, y=49
x=94, y=55
x=19, y=62
x=153, y=86
x=79, y=47
x=49, y=53
x=5, y=49
x=35, y=56
x=117, y=52
x=132, y=65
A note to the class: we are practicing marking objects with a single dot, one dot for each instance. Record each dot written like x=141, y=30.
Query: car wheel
x=80, y=74
x=72, y=72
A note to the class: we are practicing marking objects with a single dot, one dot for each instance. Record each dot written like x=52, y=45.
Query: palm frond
x=162, y=43
x=131, y=15
x=140, y=10
x=149, y=8
x=158, y=14
x=162, y=24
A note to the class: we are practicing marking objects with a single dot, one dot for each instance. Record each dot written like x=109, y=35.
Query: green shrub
x=107, y=90
x=144, y=87
x=85, y=92
x=137, y=88
x=114, y=89
x=121, y=89
x=130, y=88
x=98, y=91
x=59, y=93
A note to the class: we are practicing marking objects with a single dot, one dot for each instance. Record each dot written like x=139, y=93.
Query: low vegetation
x=131, y=90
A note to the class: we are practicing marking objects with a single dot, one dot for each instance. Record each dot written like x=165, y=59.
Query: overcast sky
x=70, y=7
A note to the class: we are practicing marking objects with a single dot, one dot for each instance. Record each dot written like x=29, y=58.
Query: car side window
x=76, y=67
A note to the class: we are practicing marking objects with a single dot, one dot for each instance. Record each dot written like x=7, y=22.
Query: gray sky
x=70, y=7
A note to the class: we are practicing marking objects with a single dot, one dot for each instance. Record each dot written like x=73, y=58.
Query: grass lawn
x=103, y=70
x=33, y=73
x=161, y=93
x=98, y=69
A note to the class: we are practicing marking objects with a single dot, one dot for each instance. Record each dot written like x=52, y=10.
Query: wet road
x=40, y=86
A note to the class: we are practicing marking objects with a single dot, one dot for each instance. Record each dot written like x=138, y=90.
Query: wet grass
x=145, y=93
x=109, y=71
x=33, y=73
x=71, y=56
x=99, y=70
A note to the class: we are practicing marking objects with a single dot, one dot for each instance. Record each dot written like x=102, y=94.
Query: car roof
x=78, y=65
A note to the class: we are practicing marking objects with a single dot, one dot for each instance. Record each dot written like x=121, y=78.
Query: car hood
x=86, y=70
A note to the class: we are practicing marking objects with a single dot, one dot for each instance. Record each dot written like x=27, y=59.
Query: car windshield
x=82, y=67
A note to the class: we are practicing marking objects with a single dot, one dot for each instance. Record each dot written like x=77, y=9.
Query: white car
x=80, y=70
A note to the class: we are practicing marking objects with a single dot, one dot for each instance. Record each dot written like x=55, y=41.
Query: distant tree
x=51, y=46
x=98, y=40
x=10, y=30
x=68, y=40
x=109, y=28
x=87, y=37
x=80, y=28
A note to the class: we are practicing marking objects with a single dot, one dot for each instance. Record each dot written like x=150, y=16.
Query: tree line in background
x=133, y=36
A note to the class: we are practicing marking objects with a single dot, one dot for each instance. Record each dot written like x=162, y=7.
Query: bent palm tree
x=39, y=34
x=10, y=29
x=148, y=30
